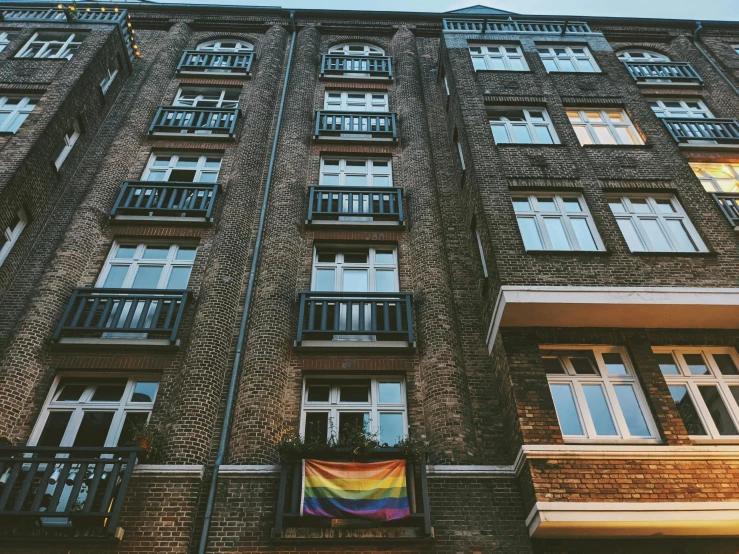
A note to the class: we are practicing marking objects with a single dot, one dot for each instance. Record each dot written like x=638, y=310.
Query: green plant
x=412, y=448
x=151, y=437
x=5, y=441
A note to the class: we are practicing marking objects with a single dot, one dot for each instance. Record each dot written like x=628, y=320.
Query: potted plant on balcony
x=151, y=438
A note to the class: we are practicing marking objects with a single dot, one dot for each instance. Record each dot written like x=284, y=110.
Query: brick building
x=511, y=237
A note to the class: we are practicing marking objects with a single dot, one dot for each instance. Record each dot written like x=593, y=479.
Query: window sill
x=160, y=219
x=577, y=73
x=355, y=224
x=595, y=253
x=503, y=71
x=124, y=344
x=667, y=85
x=619, y=146
x=676, y=254
x=526, y=144
x=703, y=441
x=231, y=75
x=378, y=78
x=398, y=346
x=616, y=442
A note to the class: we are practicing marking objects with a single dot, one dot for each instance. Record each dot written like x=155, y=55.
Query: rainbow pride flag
x=375, y=491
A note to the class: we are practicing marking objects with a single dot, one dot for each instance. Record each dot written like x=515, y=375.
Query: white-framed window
x=704, y=383
x=736, y=48
x=480, y=249
x=655, y=223
x=356, y=101
x=596, y=394
x=498, y=57
x=522, y=126
x=357, y=49
x=14, y=110
x=332, y=406
x=568, y=59
x=52, y=44
x=70, y=139
x=225, y=45
x=183, y=168
x=559, y=221
x=82, y=410
x=110, y=77
x=610, y=126
x=207, y=97
x=717, y=177
x=636, y=55
x=695, y=109
x=355, y=269
x=12, y=233
x=356, y=172
x=147, y=266
x=4, y=40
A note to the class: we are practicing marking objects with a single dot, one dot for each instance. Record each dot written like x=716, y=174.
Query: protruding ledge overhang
x=635, y=307
x=633, y=519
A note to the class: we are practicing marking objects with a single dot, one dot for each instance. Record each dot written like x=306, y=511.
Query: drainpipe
x=698, y=28
x=234, y=383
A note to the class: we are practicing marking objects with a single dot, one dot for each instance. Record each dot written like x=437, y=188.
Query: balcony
x=702, y=132
x=356, y=67
x=123, y=317
x=362, y=206
x=355, y=319
x=195, y=122
x=465, y=25
x=666, y=73
x=374, y=126
x=729, y=203
x=54, y=492
x=168, y=202
x=234, y=64
x=291, y=525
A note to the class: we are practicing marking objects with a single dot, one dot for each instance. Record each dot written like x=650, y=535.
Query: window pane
x=478, y=63
x=355, y=280
x=318, y=393
x=717, y=409
x=614, y=363
x=543, y=135
x=604, y=135
x=326, y=257
x=656, y=235
x=572, y=205
x=557, y=234
x=390, y=393
x=56, y=425
x=667, y=364
x=683, y=242
x=630, y=235
x=384, y=257
x=583, y=234
x=132, y=418
x=111, y=392
x=725, y=364
x=500, y=135
x=625, y=135
x=530, y=233
x=179, y=278
x=352, y=422
x=145, y=391
x=553, y=366
x=599, y=410
x=94, y=429
x=696, y=364
x=522, y=134
x=687, y=410
x=521, y=205
x=385, y=281
x=70, y=392
x=324, y=280
x=147, y=277
x=547, y=204
x=316, y=427
x=564, y=404
x=582, y=135
x=116, y=276
x=631, y=410
x=357, y=258
x=156, y=253
x=185, y=254
x=584, y=365
x=356, y=392
x=735, y=393
x=391, y=428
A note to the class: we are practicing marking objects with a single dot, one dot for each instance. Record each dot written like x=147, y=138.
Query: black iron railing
x=170, y=199
x=685, y=129
x=195, y=121
x=377, y=203
x=291, y=485
x=344, y=64
x=55, y=486
x=729, y=203
x=199, y=61
x=355, y=316
x=123, y=313
x=671, y=72
x=355, y=124
x=465, y=25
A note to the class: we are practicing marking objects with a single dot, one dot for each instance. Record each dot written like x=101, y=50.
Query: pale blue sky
x=669, y=9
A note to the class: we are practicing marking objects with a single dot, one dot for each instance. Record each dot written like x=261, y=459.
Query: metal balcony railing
x=123, y=313
x=685, y=130
x=291, y=486
x=465, y=25
x=333, y=203
x=369, y=125
x=729, y=203
x=165, y=199
x=56, y=486
x=669, y=72
x=199, y=61
x=359, y=316
x=212, y=122
x=342, y=64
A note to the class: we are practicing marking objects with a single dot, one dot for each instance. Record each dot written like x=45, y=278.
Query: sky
x=667, y=9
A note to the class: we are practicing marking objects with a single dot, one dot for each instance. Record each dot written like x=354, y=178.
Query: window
x=680, y=108
x=723, y=177
x=736, y=48
x=94, y=412
x=576, y=59
x=4, y=40
x=555, y=222
x=225, y=45
x=446, y=87
x=11, y=233
x=208, y=97
x=183, y=168
x=522, y=126
x=334, y=406
x=357, y=49
x=460, y=150
x=480, y=249
x=596, y=394
x=52, y=44
x=110, y=77
x=603, y=127
x=356, y=172
x=355, y=269
x=641, y=56
x=704, y=383
x=498, y=57
x=70, y=138
x=655, y=224
x=14, y=110
x=147, y=266
x=356, y=102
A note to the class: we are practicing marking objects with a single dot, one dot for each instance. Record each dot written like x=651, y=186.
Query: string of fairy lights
x=71, y=11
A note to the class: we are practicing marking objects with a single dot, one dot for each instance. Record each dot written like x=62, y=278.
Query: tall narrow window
x=356, y=102
x=355, y=270
x=183, y=168
x=603, y=127
x=694, y=109
x=70, y=139
x=11, y=233
x=596, y=394
x=717, y=177
x=110, y=77
x=498, y=57
x=522, y=126
x=52, y=44
x=704, y=383
x=568, y=59
x=14, y=110
x=460, y=151
x=480, y=248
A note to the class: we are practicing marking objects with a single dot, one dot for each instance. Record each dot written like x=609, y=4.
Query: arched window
x=226, y=45
x=641, y=56
x=356, y=49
